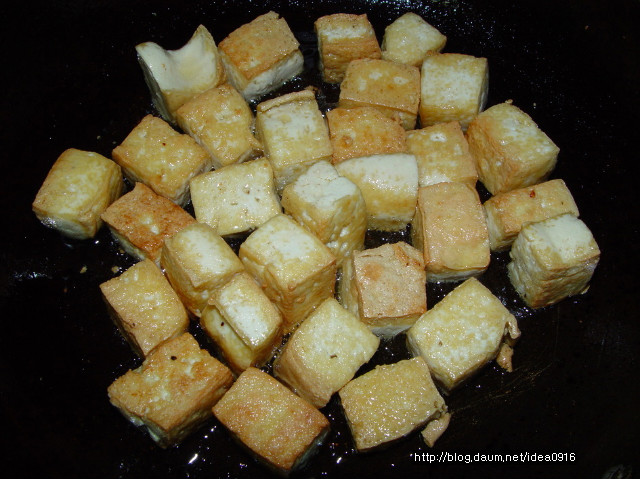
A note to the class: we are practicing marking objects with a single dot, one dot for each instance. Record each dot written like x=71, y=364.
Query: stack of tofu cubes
x=301, y=306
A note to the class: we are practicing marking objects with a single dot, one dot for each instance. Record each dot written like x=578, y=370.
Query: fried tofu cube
x=330, y=206
x=78, y=188
x=451, y=231
x=325, y=353
x=389, y=185
x=389, y=402
x=261, y=55
x=510, y=149
x=145, y=308
x=221, y=121
x=197, y=261
x=141, y=220
x=163, y=159
x=295, y=269
x=385, y=287
x=462, y=332
x=393, y=88
x=294, y=134
x=343, y=37
x=363, y=131
x=552, y=260
x=508, y=212
x=236, y=198
x=409, y=39
x=172, y=393
x=442, y=153
x=243, y=322
x=454, y=87
x=176, y=76
x=278, y=426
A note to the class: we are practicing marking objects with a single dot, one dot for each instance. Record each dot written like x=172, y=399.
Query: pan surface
x=71, y=79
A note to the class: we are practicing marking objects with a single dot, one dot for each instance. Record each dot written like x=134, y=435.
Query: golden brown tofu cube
x=442, y=153
x=409, y=39
x=390, y=401
x=281, y=428
x=552, y=260
x=222, y=122
x=389, y=185
x=172, y=393
x=144, y=306
x=197, y=261
x=141, y=220
x=343, y=37
x=385, y=287
x=330, y=206
x=261, y=55
x=453, y=88
x=78, y=188
x=236, y=198
x=176, y=76
x=363, y=131
x=324, y=353
x=509, y=148
x=508, y=212
x=393, y=88
x=163, y=159
x=462, y=332
x=451, y=231
x=294, y=134
x=243, y=322
x=295, y=269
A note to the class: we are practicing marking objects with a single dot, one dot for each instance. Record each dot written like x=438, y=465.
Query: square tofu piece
x=78, y=188
x=409, y=39
x=197, y=261
x=141, y=220
x=385, y=287
x=294, y=134
x=462, y=332
x=163, y=159
x=295, y=269
x=442, y=153
x=236, y=198
x=282, y=429
x=508, y=212
x=451, y=231
x=390, y=401
x=343, y=37
x=510, y=150
x=172, y=393
x=261, y=55
x=363, y=131
x=453, y=88
x=176, y=76
x=144, y=306
x=552, y=259
x=330, y=206
x=389, y=185
x=222, y=122
x=324, y=353
x=393, y=88
x=243, y=322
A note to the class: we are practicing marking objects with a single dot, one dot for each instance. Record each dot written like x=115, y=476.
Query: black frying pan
x=71, y=79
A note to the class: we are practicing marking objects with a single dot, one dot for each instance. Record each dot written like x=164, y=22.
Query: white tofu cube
x=324, y=353
x=295, y=269
x=236, y=198
x=330, y=206
x=462, y=332
x=552, y=260
x=77, y=190
x=409, y=39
